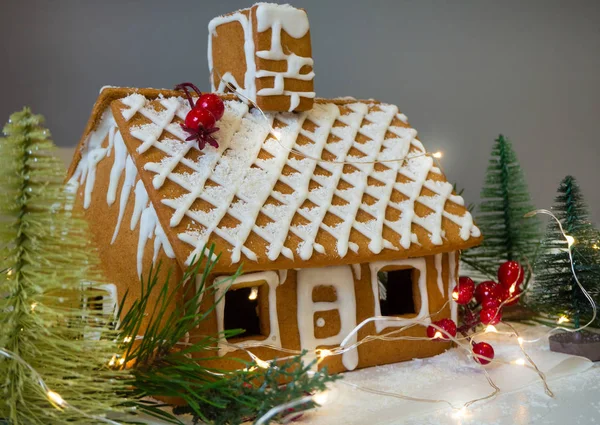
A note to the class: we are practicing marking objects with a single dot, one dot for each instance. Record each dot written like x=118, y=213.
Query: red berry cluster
x=491, y=297
x=200, y=121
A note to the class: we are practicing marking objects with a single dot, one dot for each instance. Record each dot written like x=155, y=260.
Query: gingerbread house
x=336, y=211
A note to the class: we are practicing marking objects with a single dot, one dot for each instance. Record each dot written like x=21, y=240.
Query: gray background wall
x=462, y=71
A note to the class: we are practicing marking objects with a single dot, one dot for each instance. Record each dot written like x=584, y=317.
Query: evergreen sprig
x=164, y=366
x=555, y=290
x=48, y=269
x=505, y=200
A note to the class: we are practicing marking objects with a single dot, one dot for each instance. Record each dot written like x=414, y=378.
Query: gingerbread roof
x=345, y=182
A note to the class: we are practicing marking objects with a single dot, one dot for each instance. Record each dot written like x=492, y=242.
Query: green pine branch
x=555, y=291
x=47, y=272
x=505, y=200
x=163, y=366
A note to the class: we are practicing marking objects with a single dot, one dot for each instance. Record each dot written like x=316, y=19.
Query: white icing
x=85, y=173
x=356, y=270
x=293, y=21
x=223, y=284
x=130, y=175
x=320, y=322
x=92, y=153
x=282, y=276
x=118, y=167
x=340, y=278
x=451, y=284
x=243, y=135
x=439, y=269
x=150, y=228
x=423, y=314
x=249, y=88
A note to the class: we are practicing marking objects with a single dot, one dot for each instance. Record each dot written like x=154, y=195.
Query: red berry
x=491, y=302
x=212, y=103
x=510, y=274
x=487, y=289
x=463, y=292
x=485, y=350
x=198, y=117
x=490, y=316
x=447, y=325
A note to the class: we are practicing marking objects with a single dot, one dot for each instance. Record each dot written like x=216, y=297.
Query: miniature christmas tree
x=508, y=236
x=50, y=329
x=555, y=291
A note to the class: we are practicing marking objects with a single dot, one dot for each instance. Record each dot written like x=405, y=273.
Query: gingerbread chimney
x=265, y=53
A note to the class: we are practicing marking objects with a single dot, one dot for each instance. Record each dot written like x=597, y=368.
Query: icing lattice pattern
x=253, y=186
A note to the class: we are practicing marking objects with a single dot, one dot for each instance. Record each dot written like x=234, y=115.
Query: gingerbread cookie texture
x=337, y=214
x=264, y=53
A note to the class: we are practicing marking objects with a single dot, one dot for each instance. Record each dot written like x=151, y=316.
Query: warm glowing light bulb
x=490, y=328
x=562, y=319
x=520, y=340
x=261, y=363
x=55, y=398
x=127, y=339
x=437, y=154
x=321, y=398
x=460, y=413
x=10, y=272
x=437, y=335
x=596, y=246
x=520, y=362
x=112, y=361
x=455, y=295
x=253, y=294
x=322, y=353
x=570, y=240
x=121, y=361
x=33, y=306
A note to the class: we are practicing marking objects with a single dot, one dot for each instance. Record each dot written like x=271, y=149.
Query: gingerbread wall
x=327, y=323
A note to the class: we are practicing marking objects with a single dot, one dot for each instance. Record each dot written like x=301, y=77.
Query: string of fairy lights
x=322, y=353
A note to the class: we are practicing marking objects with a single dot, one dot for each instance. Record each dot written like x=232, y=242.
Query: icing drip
x=149, y=228
x=144, y=213
x=340, y=278
x=91, y=154
x=269, y=278
x=451, y=284
x=282, y=276
x=118, y=167
x=439, y=268
x=244, y=182
x=130, y=175
x=423, y=315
